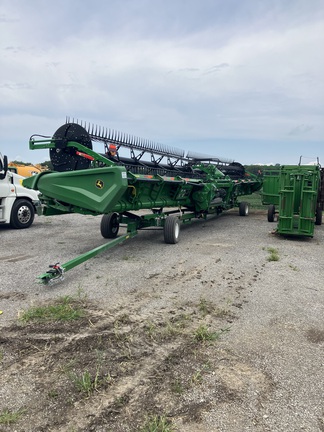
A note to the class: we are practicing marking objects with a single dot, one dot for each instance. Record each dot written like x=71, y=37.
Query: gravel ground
x=273, y=357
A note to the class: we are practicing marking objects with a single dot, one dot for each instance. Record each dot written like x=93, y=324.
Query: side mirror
x=3, y=167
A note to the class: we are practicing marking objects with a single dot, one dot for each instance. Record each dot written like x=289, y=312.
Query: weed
x=150, y=329
x=177, y=387
x=66, y=368
x=173, y=328
x=274, y=256
x=53, y=394
x=65, y=309
x=205, y=306
x=293, y=267
x=126, y=258
x=203, y=334
x=196, y=377
x=157, y=423
x=119, y=335
x=86, y=383
x=8, y=417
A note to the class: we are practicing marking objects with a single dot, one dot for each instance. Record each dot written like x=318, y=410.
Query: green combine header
x=174, y=186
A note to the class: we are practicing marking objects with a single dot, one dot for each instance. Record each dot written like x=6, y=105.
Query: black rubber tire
x=171, y=229
x=22, y=214
x=318, y=216
x=243, y=208
x=271, y=213
x=109, y=226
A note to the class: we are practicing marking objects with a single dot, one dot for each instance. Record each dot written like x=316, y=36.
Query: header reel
x=146, y=157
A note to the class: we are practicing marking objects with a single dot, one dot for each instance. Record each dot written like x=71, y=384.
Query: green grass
x=65, y=309
x=205, y=306
x=85, y=382
x=8, y=417
x=203, y=334
x=157, y=423
x=273, y=254
x=254, y=200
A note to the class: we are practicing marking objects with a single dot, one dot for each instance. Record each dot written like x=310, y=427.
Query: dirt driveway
x=207, y=335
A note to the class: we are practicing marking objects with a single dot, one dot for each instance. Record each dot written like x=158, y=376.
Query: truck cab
x=18, y=205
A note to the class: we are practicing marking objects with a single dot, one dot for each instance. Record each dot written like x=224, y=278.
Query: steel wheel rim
x=24, y=214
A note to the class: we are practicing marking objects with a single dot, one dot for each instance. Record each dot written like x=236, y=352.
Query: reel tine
x=100, y=133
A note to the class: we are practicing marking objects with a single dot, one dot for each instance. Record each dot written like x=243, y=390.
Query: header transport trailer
x=175, y=187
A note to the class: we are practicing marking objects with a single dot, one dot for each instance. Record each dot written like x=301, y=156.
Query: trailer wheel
x=171, y=230
x=22, y=214
x=243, y=208
x=271, y=213
x=318, y=216
x=109, y=226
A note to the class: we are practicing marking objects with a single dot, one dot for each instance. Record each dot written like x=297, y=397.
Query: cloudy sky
x=240, y=79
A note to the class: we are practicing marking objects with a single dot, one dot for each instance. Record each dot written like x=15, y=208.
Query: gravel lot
x=269, y=360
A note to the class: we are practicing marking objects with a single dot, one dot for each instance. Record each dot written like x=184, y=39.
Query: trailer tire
x=109, y=226
x=271, y=213
x=22, y=214
x=318, y=216
x=171, y=229
x=243, y=208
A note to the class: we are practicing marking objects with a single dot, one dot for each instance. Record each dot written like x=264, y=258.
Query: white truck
x=18, y=204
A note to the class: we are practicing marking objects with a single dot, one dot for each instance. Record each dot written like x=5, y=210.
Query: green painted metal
x=299, y=187
x=111, y=186
x=111, y=189
x=57, y=271
x=270, y=188
x=296, y=190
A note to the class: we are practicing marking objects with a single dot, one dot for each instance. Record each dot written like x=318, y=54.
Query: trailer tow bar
x=57, y=272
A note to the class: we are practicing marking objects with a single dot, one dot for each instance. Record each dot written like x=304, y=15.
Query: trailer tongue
x=175, y=187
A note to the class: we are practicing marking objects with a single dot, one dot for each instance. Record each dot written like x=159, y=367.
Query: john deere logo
x=99, y=184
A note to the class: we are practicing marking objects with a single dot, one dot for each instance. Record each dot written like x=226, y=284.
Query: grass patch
x=205, y=306
x=255, y=201
x=65, y=309
x=177, y=387
x=203, y=334
x=273, y=254
x=157, y=423
x=8, y=417
x=87, y=382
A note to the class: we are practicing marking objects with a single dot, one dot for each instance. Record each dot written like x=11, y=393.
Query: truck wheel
x=109, y=226
x=243, y=208
x=271, y=213
x=171, y=230
x=318, y=216
x=22, y=214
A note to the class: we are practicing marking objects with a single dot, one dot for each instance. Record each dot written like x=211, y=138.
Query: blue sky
x=239, y=79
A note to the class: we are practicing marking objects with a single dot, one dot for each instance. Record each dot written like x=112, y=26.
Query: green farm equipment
x=296, y=194
x=83, y=181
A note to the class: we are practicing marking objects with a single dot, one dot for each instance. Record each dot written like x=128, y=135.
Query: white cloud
x=255, y=74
